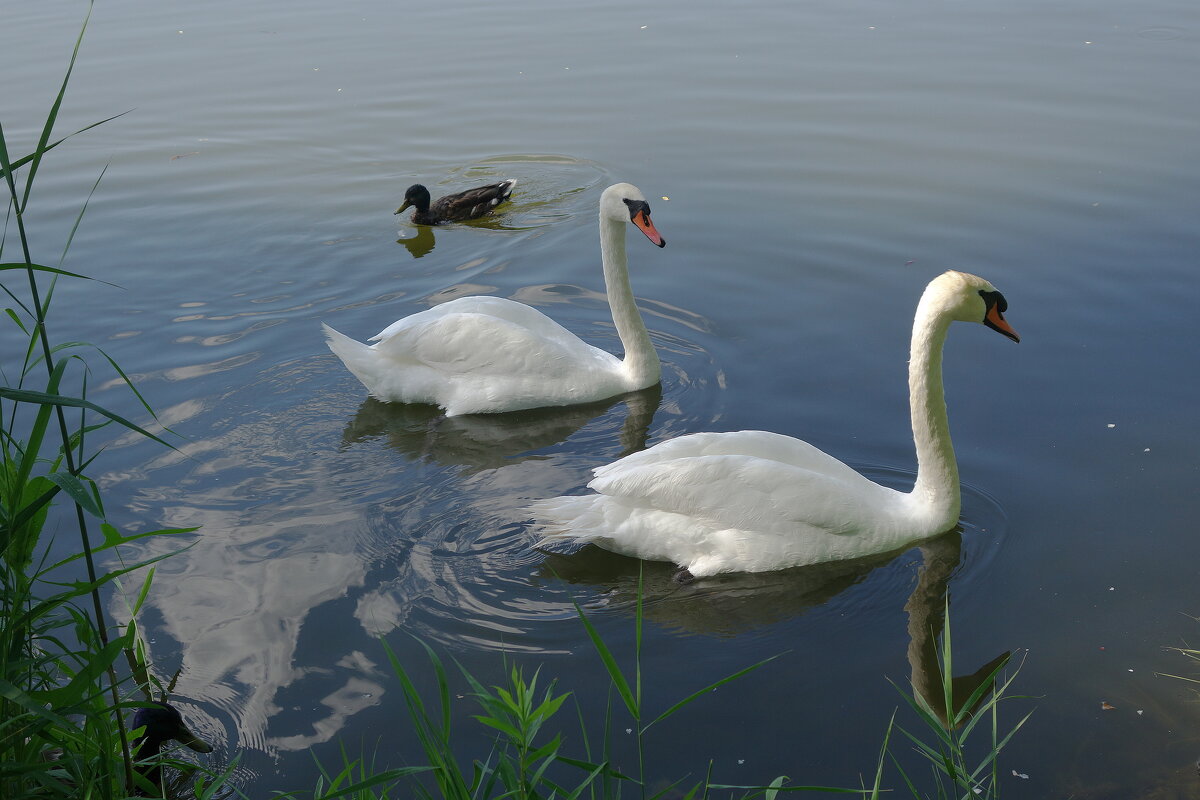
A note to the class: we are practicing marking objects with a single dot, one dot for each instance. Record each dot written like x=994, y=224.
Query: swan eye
x=994, y=299
x=636, y=207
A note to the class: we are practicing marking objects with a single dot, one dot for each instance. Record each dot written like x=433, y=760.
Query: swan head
x=624, y=202
x=970, y=298
x=416, y=196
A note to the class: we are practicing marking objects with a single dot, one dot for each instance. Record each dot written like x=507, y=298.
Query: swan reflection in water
x=488, y=441
x=732, y=603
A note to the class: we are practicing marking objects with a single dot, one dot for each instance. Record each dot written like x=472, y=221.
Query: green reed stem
x=43, y=338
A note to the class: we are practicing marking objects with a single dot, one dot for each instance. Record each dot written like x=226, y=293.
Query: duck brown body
x=469, y=204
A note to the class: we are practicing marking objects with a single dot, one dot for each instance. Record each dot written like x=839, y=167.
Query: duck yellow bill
x=407, y=203
x=643, y=223
x=995, y=320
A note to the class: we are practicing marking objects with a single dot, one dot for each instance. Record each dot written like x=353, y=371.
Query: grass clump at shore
x=528, y=757
x=63, y=695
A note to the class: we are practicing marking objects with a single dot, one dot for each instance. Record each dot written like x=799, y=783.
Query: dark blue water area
x=811, y=168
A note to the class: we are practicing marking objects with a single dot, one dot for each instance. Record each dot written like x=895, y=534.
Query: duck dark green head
x=160, y=723
x=416, y=197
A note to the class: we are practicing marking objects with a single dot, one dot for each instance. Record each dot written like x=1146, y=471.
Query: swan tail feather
x=574, y=518
x=361, y=359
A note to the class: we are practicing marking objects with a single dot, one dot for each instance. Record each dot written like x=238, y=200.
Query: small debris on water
x=1107, y=706
x=1112, y=424
x=1020, y=775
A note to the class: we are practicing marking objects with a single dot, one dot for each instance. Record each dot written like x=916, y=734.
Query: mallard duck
x=753, y=501
x=455, y=207
x=162, y=723
x=479, y=355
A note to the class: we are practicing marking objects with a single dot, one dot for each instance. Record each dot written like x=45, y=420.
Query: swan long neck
x=641, y=360
x=936, y=487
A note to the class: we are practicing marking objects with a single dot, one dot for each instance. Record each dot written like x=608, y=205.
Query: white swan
x=753, y=501
x=478, y=355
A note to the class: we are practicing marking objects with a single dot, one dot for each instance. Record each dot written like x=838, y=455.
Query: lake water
x=812, y=166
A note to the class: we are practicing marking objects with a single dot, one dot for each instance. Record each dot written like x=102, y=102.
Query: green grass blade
x=610, y=664
x=17, y=319
x=129, y=383
x=912, y=788
x=701, y=692
x=877, y=785
x=587, y=781
x=6, y=167
x=500, y=725
x=79, y=216
x=145, y=591
x=604, y=768
x=43, y=268
x=927, y=715
x=443, y=688
x=43, y=398
x=52, y=117
x=37, y=433
x=77, y=491
x=947, y=665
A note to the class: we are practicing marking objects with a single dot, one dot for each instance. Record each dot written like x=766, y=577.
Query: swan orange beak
x=995, y=320
x=642, y=220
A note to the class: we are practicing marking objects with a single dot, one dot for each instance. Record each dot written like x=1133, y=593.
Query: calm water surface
x=812, y=166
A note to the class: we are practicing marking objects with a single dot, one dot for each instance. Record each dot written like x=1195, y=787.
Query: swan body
x=753, y=501
x=468, y=204
x=484, y=354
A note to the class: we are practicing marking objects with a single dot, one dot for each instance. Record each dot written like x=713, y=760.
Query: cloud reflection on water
x=293, y=523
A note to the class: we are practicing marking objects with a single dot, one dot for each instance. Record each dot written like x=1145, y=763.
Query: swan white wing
x=773, y=447
x=499, y=307
x=750, y=493
x=488, y=336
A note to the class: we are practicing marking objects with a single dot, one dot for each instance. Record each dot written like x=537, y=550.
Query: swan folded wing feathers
x=738, y=492
x=761, y=444
x=476, y=341
x=500, y=307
